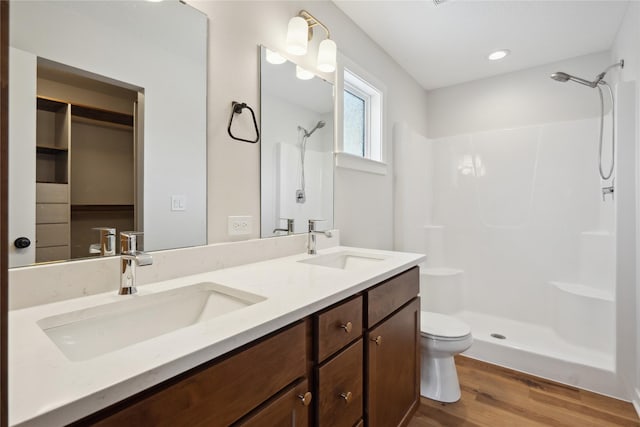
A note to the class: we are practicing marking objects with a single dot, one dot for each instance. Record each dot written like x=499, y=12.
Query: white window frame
x=362, y=84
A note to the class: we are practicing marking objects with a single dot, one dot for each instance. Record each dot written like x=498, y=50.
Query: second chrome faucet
x=311, y=239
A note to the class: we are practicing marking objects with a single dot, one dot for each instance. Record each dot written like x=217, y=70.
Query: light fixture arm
x=312, y=21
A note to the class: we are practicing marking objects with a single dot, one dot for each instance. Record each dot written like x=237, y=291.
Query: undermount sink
x=345, y=260
x=85, y=334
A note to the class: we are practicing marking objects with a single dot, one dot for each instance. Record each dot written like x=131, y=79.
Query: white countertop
x=47, y=389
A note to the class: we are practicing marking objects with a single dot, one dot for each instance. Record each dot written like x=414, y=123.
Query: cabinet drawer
x=52, y=213
x=338, y=327
x=52, y=235
x=53, y=253
x=392, y=294
x=222, y=392
x=340, y=399
x=289, y=408
x=52, y=193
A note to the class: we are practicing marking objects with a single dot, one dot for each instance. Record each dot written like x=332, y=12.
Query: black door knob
x=22, y=242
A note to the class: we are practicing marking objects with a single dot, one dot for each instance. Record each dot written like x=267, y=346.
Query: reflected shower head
x=318, y=125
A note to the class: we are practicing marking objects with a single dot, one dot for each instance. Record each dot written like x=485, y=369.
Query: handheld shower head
x=318, y=125
x=564, y=77
x=560, y=76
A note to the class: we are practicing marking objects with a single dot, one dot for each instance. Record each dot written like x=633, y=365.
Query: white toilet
x=442, y=337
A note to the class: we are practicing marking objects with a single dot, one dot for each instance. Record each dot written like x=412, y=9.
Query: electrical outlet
x=240, y=225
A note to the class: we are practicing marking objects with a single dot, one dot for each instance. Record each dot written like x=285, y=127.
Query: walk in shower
x=520, y=236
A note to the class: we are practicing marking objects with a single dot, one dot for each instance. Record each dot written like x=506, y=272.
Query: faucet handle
x=129, y=241
x=312, y=223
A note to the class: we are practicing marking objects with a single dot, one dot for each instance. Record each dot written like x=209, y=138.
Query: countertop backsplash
x=47, y=283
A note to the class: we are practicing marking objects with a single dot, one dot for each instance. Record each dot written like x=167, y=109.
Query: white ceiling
x=448, y=44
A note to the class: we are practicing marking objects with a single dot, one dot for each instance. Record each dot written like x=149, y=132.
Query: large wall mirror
x=107, y=126
x=297, y=143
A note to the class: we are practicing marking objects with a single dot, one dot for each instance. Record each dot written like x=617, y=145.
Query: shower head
x=560, y=76
x=318, y=125
x=564, y=77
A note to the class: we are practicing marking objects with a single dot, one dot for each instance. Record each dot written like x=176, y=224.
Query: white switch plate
x=179, y=202
x=239, y=225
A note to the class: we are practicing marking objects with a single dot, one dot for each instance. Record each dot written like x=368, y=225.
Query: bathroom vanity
x=332, y=340
x=316, y=363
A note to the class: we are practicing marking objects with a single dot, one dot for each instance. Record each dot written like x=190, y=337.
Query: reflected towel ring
x=236, y=108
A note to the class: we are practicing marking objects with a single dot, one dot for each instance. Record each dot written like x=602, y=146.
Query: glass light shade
x=274, y=57
x=327, y=56
x=297, y=36
x=303, y=74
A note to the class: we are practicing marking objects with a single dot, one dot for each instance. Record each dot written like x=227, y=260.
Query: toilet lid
x=440, y=325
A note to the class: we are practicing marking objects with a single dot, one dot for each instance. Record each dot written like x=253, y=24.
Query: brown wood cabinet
x=393, y=371
x=393, y=351
x=326, y=370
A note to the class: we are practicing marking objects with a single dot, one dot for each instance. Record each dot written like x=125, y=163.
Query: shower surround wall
x=518, y=240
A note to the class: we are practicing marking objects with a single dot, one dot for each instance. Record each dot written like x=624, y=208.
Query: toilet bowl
x=442, y=337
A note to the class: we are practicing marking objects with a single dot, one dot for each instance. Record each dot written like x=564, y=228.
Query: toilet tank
x=441, y=290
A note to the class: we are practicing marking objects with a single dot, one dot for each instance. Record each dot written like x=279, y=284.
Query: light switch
x=179, y=202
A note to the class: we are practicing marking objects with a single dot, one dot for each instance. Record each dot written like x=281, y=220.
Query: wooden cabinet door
x=393, y=370
x=290, y=408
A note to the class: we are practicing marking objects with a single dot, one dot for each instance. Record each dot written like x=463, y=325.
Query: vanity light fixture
x=300, y=31
x=498, y=54
x=274, y=57
x=297, y=36
x=303, y=74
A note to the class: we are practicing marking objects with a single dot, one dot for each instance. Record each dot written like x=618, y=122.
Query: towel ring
x=236, y=108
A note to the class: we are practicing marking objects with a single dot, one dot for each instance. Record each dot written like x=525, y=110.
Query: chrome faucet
x=289, y=228
x=311, y=240
x=107, y=245
x=131, y=258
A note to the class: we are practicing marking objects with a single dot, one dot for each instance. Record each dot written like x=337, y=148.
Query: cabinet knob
x=22, y=242
x=377, y=340
x=348, y=327
x=347, y=396
x=305, y=398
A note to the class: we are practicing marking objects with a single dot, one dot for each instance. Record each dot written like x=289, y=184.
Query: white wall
x=363, y=208
x=627, y=46
x=522, y=98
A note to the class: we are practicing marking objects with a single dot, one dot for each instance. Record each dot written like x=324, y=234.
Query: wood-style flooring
x=493, y=396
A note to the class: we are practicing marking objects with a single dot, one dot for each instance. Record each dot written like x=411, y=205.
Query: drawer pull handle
x=305, y=398
x=347, y=396
x=377, y=340
x=348, y=327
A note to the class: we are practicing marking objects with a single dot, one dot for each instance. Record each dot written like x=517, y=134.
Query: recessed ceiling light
x=499, y=54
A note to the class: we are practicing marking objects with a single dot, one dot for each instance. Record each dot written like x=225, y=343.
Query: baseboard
x=636, y=401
